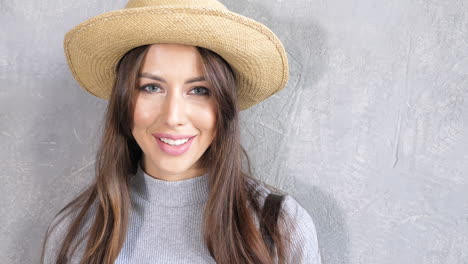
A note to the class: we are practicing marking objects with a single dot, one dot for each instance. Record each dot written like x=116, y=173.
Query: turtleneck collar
x=170, y=193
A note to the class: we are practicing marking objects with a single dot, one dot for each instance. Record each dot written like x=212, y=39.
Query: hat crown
x=212, y=4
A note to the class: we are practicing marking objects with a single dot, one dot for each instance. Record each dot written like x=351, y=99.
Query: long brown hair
x=229, y=229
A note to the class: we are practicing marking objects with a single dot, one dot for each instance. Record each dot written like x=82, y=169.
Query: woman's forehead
x=171, y=49
x=174, y=60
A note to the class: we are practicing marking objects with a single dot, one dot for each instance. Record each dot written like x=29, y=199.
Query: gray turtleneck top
x=165, y=225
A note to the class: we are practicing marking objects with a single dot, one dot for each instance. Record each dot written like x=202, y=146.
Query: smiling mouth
x=174, y=147
x=176, y=142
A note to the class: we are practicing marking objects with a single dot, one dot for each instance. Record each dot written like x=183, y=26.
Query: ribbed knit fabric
x=166, y=219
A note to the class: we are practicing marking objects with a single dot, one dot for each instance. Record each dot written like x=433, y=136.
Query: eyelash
x=207, y=93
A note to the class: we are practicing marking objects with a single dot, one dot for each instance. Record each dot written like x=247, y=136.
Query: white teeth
x=176, y=142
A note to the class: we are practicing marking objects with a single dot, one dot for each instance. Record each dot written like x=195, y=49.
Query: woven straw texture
x=94, y=47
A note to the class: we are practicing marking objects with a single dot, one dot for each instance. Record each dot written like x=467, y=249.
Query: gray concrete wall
x=370, y=134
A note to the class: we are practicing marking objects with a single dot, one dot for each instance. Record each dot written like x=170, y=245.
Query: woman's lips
x=171, y=136
x=174, y=150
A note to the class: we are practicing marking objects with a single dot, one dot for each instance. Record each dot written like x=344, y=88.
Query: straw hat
x=94, y=47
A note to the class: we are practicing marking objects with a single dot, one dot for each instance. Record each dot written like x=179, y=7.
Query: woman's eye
x=201, y=90
x=150, y=87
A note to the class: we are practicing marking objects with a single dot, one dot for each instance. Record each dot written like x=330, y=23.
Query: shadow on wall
x=305, y=41
x=329, y=222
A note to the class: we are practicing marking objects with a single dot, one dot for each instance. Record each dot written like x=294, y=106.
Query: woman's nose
x=174, y=110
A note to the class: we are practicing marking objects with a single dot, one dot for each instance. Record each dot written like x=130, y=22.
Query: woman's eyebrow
x=158, y=78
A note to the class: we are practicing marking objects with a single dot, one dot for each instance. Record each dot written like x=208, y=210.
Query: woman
x=169, y=184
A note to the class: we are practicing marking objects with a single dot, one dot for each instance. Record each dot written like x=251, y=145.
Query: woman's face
x=174, y=101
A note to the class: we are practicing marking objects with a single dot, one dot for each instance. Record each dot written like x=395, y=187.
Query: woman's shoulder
x=297, y=222
x=301, y=227
x=58, y=229
x=55, y=235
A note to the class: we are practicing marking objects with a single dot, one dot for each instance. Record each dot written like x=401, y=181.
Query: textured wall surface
x=370, y=134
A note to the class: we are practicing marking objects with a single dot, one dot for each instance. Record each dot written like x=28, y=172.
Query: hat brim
x=94, y=47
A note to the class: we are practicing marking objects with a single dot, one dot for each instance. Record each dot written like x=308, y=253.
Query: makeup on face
x=174, y=144
x=175, y=116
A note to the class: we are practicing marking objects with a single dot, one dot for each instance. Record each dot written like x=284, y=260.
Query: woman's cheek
x=144, y=113
x=206, y=118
